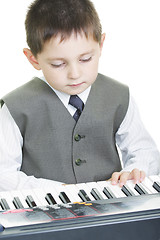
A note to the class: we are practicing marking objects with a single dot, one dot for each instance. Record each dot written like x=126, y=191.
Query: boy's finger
x=142, y=176
x=115, y=178
x=135, y=175
x=123, y=178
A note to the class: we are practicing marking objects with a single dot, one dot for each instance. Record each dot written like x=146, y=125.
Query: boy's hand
x=122, y=177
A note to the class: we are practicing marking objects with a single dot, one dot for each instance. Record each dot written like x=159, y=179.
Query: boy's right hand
x=121, y=177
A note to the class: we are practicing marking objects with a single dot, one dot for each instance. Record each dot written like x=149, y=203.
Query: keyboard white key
x=7, y=196
x=74, y=191
x=40, y=194
x=94, y=185
x=147, y=183
x=113, y=188
x=1, y=209
x=139, y=188
x=131, y=186
x=64, y=188
x=18, y=194
x=143, y=188
x=54, y=193
x=30, y=193
x=104, y=185
x=155, y=178
x=83, y=186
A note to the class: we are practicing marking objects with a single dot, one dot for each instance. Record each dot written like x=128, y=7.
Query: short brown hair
x=48, y=18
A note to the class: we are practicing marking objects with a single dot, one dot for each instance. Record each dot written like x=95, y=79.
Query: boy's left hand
x=121, y=177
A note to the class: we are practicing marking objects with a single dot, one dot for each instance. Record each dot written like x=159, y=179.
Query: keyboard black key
x=156, y=185
x=30, y=201
x=83, y=195
x=64, y=198
x=95, y=193
x=128, y=192
x=108, y=192
x=4, y=204
x=17, y=203
x=140, y=189
x=49, y=198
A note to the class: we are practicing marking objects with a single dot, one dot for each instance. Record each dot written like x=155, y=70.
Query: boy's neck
x=83, y=95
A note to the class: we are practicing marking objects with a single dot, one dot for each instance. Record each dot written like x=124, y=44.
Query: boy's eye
x=57, y=65
x=87, y=59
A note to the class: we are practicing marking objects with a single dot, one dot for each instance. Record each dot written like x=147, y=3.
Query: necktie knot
x=76, y=102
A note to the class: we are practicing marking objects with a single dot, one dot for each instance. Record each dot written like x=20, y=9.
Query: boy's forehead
x=78, y=40
x=62, y=39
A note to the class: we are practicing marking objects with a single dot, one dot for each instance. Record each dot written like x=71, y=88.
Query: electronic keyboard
x=98, y=210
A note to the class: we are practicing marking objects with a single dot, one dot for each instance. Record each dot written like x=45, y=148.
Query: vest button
x=77, y=137
x=78, y=162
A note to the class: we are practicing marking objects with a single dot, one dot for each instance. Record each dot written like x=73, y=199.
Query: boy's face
x=70, y=66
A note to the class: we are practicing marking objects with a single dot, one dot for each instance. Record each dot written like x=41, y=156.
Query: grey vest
x=55, y=146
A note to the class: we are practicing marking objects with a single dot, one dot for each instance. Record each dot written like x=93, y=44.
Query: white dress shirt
x=137, y=148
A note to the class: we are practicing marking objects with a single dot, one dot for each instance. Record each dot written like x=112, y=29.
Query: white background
x=131, y=51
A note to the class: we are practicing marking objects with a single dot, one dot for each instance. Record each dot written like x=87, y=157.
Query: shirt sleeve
x=11, y=143
x=137, y=148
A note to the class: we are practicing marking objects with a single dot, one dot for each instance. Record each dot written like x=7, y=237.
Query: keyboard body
x=132, y=217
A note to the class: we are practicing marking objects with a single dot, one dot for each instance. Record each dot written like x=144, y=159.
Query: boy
x=47, y=138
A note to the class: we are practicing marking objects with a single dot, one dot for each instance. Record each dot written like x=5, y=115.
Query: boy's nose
x=73, y=72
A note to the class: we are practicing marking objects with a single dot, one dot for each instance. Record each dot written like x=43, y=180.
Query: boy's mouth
x=76, y=84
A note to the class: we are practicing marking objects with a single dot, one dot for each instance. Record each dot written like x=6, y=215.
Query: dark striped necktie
x=76, y=102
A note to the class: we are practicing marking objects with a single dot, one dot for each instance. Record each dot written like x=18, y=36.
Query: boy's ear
x=31, y=58
x=102, y=41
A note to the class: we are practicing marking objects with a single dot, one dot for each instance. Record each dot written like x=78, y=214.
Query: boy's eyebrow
x=89, y=52
x=61, y=58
